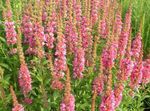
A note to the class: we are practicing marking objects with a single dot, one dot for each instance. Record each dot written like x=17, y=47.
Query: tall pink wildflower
x=108, y=102
x=50, y=29
x=60, y=60
x=123, y=39
x=94, y=11
x=27, y=29
x=18, y=107
x=103, y=29
x=10, y=28
x=24, y=79
x=126, y=68
x=101, y=4
x=71, y=36
x=39, y=33
x=84, y=33
x=118, y=94
x=118, y=24
x=79, y=63
x=68, y=105
x=78, y=12
x=146, y=71
x=136, y=75
x=136, y=46
x=108, y=56
x=98, y=84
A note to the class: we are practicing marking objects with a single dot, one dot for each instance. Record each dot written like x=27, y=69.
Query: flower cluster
x=27, y=29
x=136, y=75
x=126, y=67
x=108, y=102
x=18, y=107
x=103, y=29
x=123, y=39
x=136, y=46
x=71, y=36
x=84, y=33
x=94, y=11
x=10, y=33
x=79, y=63
x=24, y=79
x=118, y=94
x=39, y=33
x=60, y=60
x=98, y=84
x=49, y=31
x=146, y=71
x=108, y=56
x=69, y=104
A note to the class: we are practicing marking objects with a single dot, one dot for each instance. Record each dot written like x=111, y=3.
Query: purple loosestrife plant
x=108, y=101
x=94, y=11
x=16, y=105
x=136, y=46
x=49, y=31
x=98, y=84
x=79, y=63
x=24, y=79
x=68, y=105
x=60, y=60
x=71, y=36
x=118, y=93
x=146, y=71
x=10, y=33
x=84, y=33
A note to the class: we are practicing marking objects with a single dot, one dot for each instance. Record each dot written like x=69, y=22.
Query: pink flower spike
x=24, y=79
x=18, y=107
x=118, y=94
x=10, y=33
x=79, y=63
x=136, y=46
x=68, y=105
x=49, y=30
x=136, y=76
x=146, y=71
x=98, y=85
x=60, y=60
x=108, y=102
x=28, y=101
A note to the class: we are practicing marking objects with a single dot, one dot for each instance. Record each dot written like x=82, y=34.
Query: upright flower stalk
x=60, y=60
x=24, y=74
x=146, y=71
x=16, y=105
x=126, y=66
x=94, y=11
x=78, y=63
x=136, y=46
x=68, y=102
x=9, y=26
x=97, y=86
x=27, y=30
x=108, y=99
x=79, y=58
x=137, y=55
x=136, y=75
x=49, y=31
x=124, y=34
